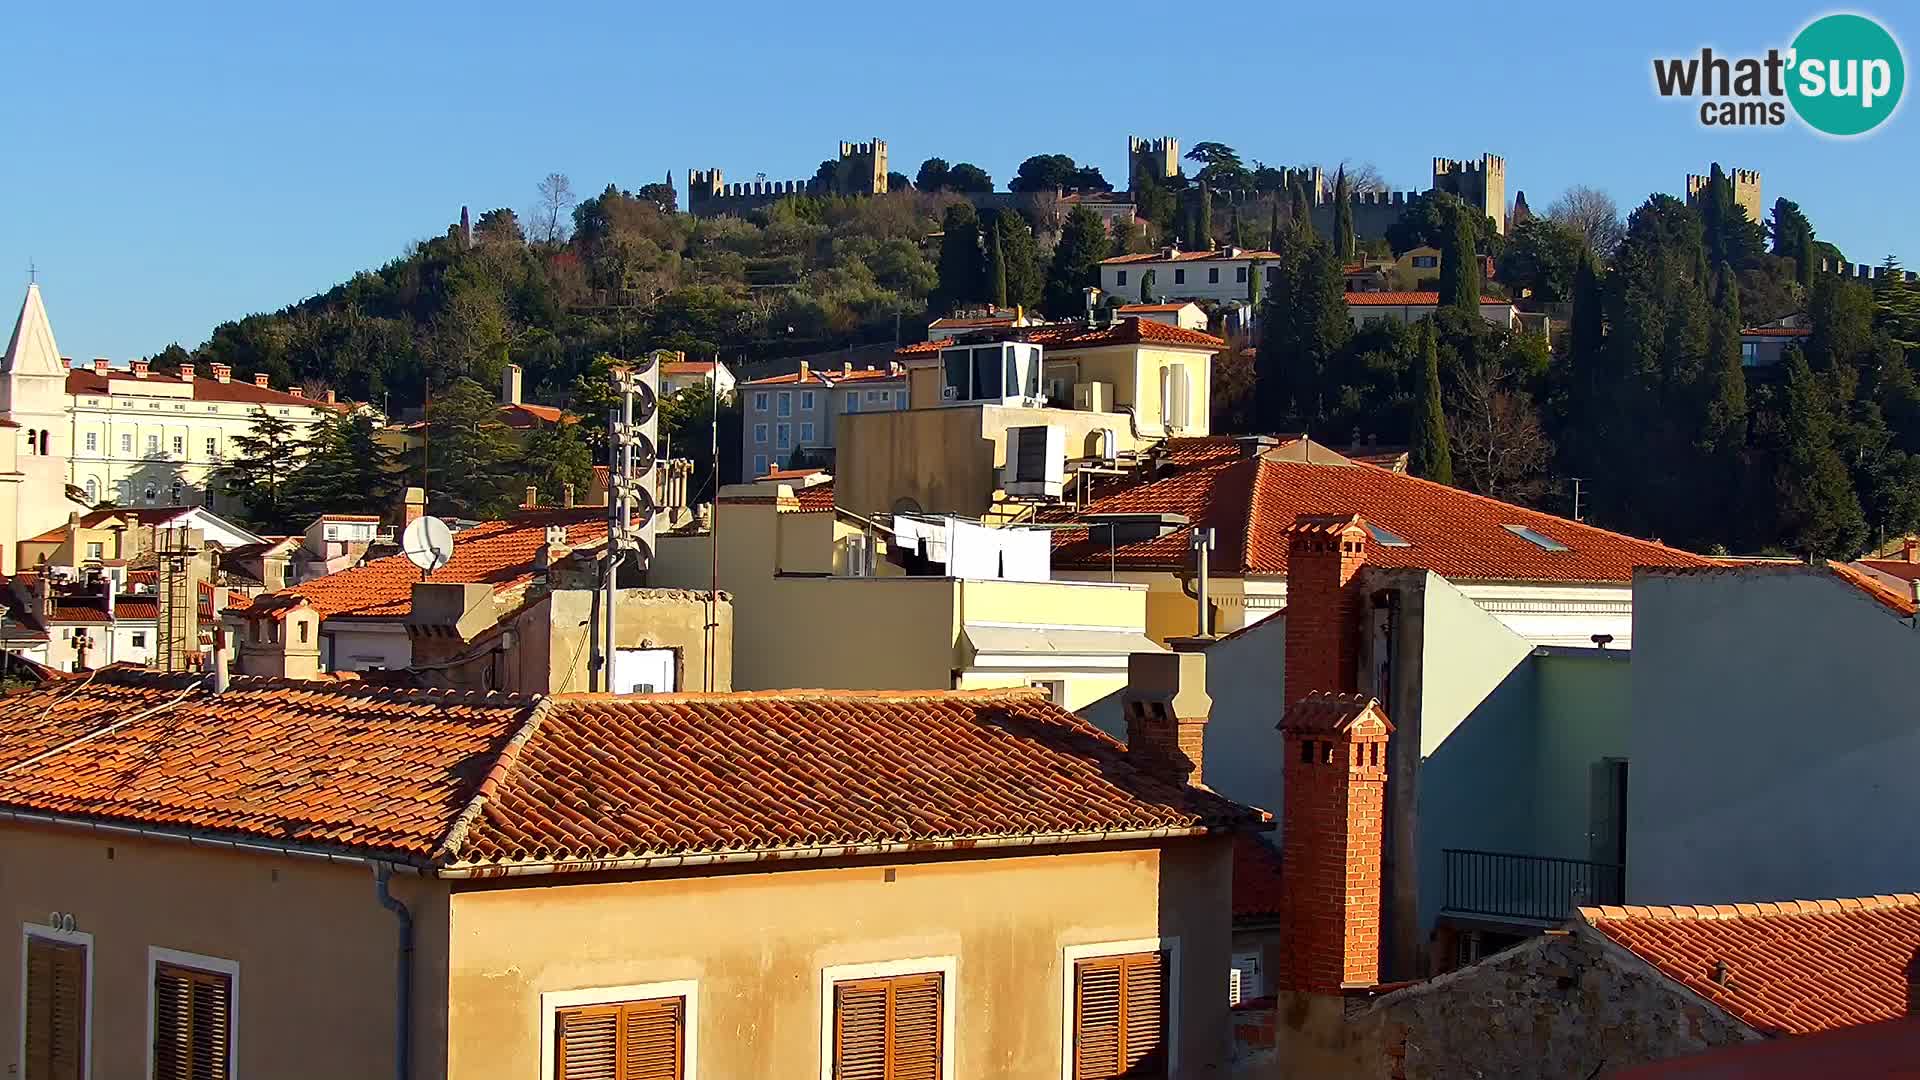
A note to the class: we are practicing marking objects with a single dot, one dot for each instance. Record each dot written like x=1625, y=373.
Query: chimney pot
x=533, y=497
x=332, y=399
x=1910, y=549
x=222, y=372
x=297, y=391
x=1324, y=556
x=1167, y=706
x=100, y=365
x=416, y=506
x=510, y=385
x=806, y=371
x=260, y=379
x=846, y=368
x=140, y=368
x=188, y=372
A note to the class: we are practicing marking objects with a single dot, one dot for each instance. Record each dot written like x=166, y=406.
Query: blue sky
x=169, y=167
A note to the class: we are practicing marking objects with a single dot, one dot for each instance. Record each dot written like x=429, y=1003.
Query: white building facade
x=1218, y=275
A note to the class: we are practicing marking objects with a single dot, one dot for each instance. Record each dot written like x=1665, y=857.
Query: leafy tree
x=1147, y=295
x=1305, y=333
x=1342, y=215
x=550, y=214
x=961, y=273
x=554, y=456
x=1268, y=178
x=1592, y=213
x=1049, y=172
x=1819, y=512
x=1896, y=306
x=1460, y=267
x=996, y=270
x=470, y=454
x=1076, y=261
x=897, y=181
x=1154, y=202
x=686, y=421
x=1430, y=457
x=499, y=227
x=1220, y=167
x=1020, y=253
x=1541, y=259
x=662, y=196
x=267, y=457
x=932, y=175
x=345, y=470
x=968, y=178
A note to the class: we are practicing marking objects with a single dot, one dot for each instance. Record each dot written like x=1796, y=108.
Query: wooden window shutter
x=56, y=1010
x=1120, y=1017
x=192, y=1024
x=889, y=1029
x=632, y=1040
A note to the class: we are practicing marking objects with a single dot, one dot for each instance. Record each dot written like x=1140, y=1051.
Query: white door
x=643, y=671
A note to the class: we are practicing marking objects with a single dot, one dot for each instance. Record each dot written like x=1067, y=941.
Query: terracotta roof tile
x=471, y=781
x=1775, y=331
x=499, y=553
x=829, y=376
x=1803, y=967
x=1153, y=309
x=1406, y=299
x=815, y=499
x=1898, y=568
x=145, y=606
x=87, y=381
x=1324, y=713
x=1188, y=256
x=1131, y=330
x=1252, y=502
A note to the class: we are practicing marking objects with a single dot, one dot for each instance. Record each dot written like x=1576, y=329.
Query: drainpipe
x=403, y=985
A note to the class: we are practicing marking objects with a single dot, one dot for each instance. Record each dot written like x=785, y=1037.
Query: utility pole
x=632, y=427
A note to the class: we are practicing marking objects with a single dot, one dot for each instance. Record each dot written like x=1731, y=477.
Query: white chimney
x=510, y=385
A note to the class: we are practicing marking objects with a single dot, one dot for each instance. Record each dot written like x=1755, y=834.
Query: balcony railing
x=1535, y=888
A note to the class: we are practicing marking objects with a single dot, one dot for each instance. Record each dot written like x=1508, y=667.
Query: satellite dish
x=427, y=544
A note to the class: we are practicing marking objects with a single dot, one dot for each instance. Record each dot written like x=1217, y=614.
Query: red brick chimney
x=1166, y=707
x=140, y=369
x=222, y=372
x=1331, y=841
x=260, y=379
x=1324, y=554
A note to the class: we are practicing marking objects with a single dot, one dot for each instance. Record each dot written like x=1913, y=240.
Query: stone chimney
x=100, y=365
x=1166, y=707
x=1324, y=555
x=846, y=368
x=140, y=369
x=533, y=498
x=332, y=398
x=510, y=385
x=806, y=371
x=416, y=506
x=260, y=379
x=222, y=372
x=566, y=496
x=188, y=373
x=1910, y=549
x=296, y=391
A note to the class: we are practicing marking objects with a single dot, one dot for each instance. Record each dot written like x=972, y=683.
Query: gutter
x=532, y=867
x=197, y=839
x=403, y=977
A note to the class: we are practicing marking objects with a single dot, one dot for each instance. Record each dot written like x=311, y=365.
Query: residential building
x=1102, y=393
x=802, y=411
x=1411, y=307
x=974, y=884
x=1218, y=274
x=677, y=375
x=978, y=319
x=821, y=598
x=1551, y=580
x=1186, y=315
x=514, y=411
x=1765, y=346
x=116, y=538
x=1733, y=798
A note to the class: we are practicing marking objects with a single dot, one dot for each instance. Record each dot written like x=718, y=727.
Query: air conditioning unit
x=1093, y=396
x=1036, y=461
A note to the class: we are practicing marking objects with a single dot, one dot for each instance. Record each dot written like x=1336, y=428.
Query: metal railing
x=1534, y=887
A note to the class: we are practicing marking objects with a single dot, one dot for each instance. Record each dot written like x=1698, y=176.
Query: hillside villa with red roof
x=1411, y=307
x=798, y=881
x=676, y=375
x=1217, y=275
x=801, y=411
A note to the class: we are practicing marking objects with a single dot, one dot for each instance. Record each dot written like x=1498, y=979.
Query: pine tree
x=1430, y=456
x=1896, y=306
x=555, y=456
x=1076, y=262
x=960, y=269
x=1460, y=267
x=345, y=470
x=1021, y=255
x=1819, y=510
x=258, y=476
x=996, y=271
x=1342, y=215
x=471, y=455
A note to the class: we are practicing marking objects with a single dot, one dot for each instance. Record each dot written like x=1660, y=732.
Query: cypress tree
x=1146, y=287
x=1342, y=215
x=1254, y=272
x=1724, y=432
x=1298, y=208
x=996, y=271
x=1021, y=255
x=1819, y=511
x=959, y=266
x=1430, y=457
x=1460, y=267
x=1076, y=262
x=1203, y=220
x=1273, y=227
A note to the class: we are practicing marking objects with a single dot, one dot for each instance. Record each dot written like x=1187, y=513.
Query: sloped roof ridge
x=429, y=694
x=503, y=766
x=1594, y=916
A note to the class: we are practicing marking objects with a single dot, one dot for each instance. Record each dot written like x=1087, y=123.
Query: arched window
x=93, y=490
x=46, y=443
x=179, y=486
x=152, y=492
x=33, y=441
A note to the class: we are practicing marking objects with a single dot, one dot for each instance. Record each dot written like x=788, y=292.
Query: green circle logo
x=1847, y=74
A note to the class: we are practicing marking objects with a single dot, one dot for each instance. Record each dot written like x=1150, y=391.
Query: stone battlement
x=1862, y=271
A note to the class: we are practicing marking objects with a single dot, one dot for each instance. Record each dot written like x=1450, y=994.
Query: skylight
x=1543, y=540
x=1385, y=538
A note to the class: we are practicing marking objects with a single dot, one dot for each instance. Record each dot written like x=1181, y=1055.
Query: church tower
x=33, y=398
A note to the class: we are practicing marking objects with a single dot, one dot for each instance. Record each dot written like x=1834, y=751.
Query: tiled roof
x=469, y=782
x=1406, y=299
x=132, y=515
x=950, y=323
x=1131, y=330
x=1325, y=713
x=687, y=367
x=1775, y=331
x=1256, y=878
x=1794, y=967
x=829, y=376
x=74, y=609
x=87, y=381
x=524, y=416
x=1899, y=568
x=1253, y=502
x=498, y=553
x=1153, y=309
x=816, y=498
x=1188, y=256
x=137, y=608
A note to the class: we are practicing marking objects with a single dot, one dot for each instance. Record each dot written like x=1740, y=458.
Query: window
x=888, y=1021
x=648, y=1032
x=153, y=445
x=59, y=1003
x=806, y=433
x=1213, y=275
x=126, y=443
x=193, y=1015
x=881, y=395
x=180, y=444
x=759, y=465
x=806, y=401
x=853, y=401
x=176, y=490
x=1240, y=274
x=759, y=401
x=93, y=441
x=1425, y=262
x=1118, y=1020
x=213, y=448
x=760, y=434
x=152, y=492
x=33, y=441
x=1273, y=275
x=93, y=490
x=1119, y=277
x=899, y=399
x=784, y=434
x=1749, y=355
x=1179, y=277
x=786, y=403
x=1542, y=539
x=139, y=639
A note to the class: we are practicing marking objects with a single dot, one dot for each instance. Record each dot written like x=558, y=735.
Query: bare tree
x=1594, y=214
x=550, y=214
x=1499, y=448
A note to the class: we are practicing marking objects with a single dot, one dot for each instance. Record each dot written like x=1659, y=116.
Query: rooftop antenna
x=427, y=544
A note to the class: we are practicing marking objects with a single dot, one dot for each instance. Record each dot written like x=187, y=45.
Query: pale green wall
x=1584, y=700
